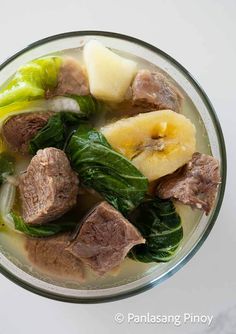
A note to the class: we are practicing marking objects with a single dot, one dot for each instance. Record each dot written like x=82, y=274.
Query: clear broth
x=12, y=244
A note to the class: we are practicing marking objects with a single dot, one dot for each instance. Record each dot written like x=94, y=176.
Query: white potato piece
x=109, y=74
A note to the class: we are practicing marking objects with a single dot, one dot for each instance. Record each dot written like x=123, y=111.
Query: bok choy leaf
x=81, y=105
x=31, y=81
x=44, y=230
x=55, y=132
x=88, y=104
x=103, y=169
x=160, y=225
x=51, y=135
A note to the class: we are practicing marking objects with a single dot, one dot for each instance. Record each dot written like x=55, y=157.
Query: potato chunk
x=109, y=74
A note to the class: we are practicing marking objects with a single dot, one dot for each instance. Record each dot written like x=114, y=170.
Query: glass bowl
x=194, y=235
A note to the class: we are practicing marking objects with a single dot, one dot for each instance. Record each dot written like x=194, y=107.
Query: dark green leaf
x=160, y=225
x=51, y=135
x=60, y=126
x=44, y=230
x=88, y=104
x=55, y=132
x=105, y=170
x=6, y=166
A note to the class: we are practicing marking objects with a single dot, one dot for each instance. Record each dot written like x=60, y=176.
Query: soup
x=119, y=137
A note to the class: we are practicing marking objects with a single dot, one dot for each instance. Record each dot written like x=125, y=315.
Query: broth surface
x=12, y=244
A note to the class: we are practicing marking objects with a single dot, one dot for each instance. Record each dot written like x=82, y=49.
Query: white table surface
x=200, y=35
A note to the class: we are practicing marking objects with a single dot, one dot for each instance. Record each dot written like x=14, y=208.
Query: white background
x=200, y=35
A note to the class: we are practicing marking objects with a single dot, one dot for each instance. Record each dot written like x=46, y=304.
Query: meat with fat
x=104, y=238
x=18, y=130
x=154, y=91
x=72, y=79
x=50, y=256
x=48, y=188
x=194, y=184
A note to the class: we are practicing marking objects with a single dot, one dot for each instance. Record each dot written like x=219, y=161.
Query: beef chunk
x=104, y=238
x=195, y=184
x=49, y=254
x=20, y=129
x=153, y=91
x=71, y=79
x=48, y=188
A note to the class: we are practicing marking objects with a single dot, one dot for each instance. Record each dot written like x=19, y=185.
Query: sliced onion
x=7, y=198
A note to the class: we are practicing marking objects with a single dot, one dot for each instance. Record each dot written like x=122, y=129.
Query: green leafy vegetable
x=88, y=104
x=14, y=109
x=105, y=170
x=6, y=166
x=55, y=132
x=44, y=230
x=59, y=127
x=84, y=106
x=31, y=81
x=160, y=225
x=51, y=135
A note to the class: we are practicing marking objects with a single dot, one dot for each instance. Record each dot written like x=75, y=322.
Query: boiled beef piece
x=71, y=79
x=20, y=129
x=195, y=184
x=153, y=91
x=49, y=255
x=48, y=188
x=104, y=239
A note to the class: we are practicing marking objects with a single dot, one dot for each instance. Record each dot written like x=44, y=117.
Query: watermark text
x=174, y=319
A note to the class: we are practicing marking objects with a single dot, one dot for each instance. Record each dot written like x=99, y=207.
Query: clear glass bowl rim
x=222, y=149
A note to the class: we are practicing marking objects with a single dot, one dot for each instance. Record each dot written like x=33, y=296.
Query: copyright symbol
x=119, y=318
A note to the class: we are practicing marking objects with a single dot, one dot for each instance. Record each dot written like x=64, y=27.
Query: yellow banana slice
x=157, y=142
